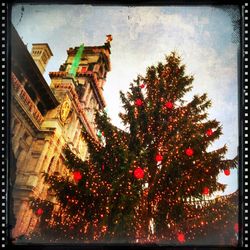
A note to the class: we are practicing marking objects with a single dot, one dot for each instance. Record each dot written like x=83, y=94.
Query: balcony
x=23, y=95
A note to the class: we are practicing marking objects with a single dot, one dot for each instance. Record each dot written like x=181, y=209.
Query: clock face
x=65, y=109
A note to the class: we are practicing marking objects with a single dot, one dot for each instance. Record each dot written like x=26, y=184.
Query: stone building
x=45, y=117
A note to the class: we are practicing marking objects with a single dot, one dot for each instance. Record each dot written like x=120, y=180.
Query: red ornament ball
x=209, y=132
x=138, y=102
x=142, y=86
x=181, y=237
x=139, y=173
x=39, y=211
x=205, y=190
x=158, y=157
x=77, y=176
x=189, y=151
x=169, y=105
x=227, y=172
x=236, y=227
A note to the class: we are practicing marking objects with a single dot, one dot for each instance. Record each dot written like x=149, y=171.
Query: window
x=91, y=66
x=83, y=69
x=41, y=108
x=30, y=92
x=50, y=164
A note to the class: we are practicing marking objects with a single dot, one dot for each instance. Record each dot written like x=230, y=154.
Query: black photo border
x=243, y=100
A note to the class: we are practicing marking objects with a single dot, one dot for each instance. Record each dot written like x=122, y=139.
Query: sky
x=142, y=36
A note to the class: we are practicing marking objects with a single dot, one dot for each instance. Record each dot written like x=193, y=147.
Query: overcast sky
x=142, y=36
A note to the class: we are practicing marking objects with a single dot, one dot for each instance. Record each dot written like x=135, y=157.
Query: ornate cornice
x=57, y=74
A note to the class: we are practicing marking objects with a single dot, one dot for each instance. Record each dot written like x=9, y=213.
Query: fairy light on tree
x=142, y=184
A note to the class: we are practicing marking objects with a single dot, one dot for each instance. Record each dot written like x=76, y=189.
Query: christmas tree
x=139, y=184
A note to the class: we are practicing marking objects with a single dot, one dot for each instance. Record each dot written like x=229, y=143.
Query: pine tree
x=138, y=184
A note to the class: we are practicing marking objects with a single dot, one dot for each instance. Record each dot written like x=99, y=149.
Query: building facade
x=45, y=118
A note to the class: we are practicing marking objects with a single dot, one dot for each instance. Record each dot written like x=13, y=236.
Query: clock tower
x=78, y=85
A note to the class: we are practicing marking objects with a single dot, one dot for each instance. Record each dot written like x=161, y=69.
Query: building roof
x=22, y=57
